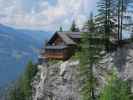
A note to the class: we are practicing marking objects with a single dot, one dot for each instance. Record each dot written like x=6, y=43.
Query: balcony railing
x=52, y=55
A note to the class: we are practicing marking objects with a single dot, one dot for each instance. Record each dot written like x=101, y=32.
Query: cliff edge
x=60, y=81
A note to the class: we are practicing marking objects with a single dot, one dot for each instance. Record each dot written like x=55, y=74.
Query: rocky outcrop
x=60, y=81
x=57, y=82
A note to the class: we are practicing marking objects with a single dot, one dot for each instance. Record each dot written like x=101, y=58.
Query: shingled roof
x=55, y=47
x=72, y=34
x=68, y=37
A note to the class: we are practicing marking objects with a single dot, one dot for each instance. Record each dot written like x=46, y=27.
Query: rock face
x=57, y=82
x=61, y=81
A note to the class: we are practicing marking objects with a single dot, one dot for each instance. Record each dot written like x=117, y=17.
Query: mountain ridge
x=17, y=46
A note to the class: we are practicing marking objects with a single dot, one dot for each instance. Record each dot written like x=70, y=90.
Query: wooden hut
x=61, y=46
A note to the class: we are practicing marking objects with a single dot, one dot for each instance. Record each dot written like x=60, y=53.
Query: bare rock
x=61, y=81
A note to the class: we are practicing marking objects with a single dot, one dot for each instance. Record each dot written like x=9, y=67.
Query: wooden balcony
x=56, y=52
x=58, y=56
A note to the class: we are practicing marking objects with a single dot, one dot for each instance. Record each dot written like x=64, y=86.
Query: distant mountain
x=17, y=47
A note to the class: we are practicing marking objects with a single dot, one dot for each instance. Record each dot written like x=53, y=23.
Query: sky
x=46, y=15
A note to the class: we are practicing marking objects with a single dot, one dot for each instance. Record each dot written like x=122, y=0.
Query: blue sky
x=45, y=14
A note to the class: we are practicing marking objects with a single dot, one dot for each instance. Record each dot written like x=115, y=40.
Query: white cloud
x=45, y=16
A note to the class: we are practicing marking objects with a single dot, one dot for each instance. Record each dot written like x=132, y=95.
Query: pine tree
x=15, y=92
x=73, y=27
x=22, y=89
x=120, y=5
x=90, y=24
x=116, y=89
x=105, y=20
x=90, y=55
x=61, y=29
x=27, y=78
x=110, y=17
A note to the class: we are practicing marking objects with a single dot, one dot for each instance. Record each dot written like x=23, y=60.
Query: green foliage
x=116, y=89
x=90, y=24
x=90, y=54
x=52, y=62
x=73, y=27
x=61, y=29
x=105, y=16
x=105, y=20
x=22, y=90
x=16, y=93
x=120, y=18
x=31, y=71
x=75, y=56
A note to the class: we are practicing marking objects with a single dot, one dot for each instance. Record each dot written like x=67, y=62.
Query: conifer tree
x=90, y=24
x=105, y=19
x=90, y=55
x=120, y=5
x=116, y=89
x=22, y=89
x=73, y=27
x=16, y=92
x=27, y=78
x=61, y=29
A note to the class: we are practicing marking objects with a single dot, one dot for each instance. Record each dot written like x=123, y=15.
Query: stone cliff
x=61, y=81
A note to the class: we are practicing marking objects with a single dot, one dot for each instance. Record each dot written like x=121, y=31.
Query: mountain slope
x=16, y=48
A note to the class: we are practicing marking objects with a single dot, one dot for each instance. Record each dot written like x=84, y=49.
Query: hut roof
x=72, y=34
x=68, y=37
x=56, y=47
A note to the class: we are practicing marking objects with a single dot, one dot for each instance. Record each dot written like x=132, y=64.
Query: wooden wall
x=63, y=54
x=57, y=40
